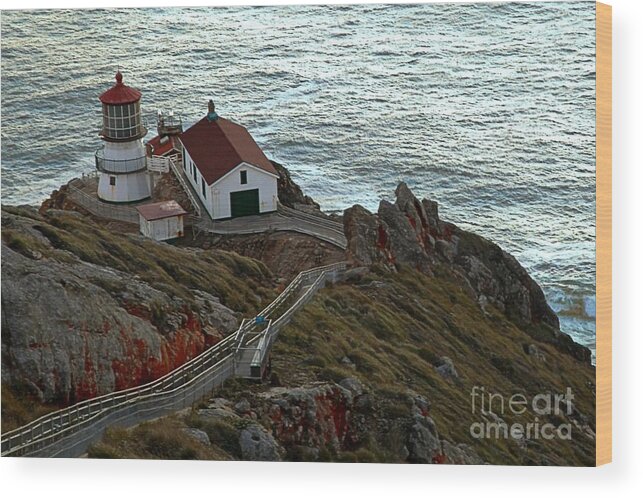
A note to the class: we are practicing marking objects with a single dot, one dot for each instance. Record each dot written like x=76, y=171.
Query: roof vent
x=212, y=116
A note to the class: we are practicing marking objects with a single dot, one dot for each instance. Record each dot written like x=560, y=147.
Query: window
x=112, y=180
x=122, y=121
x=244, y=177
x=203, y=186
x=194, y=172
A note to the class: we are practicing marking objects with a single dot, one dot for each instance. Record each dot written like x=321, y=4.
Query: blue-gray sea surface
x=487, y=108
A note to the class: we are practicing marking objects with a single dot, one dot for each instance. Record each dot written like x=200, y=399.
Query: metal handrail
x=119, y=166
x=196, y=203
x=312, y=218
x=102, y=209
x=50, y=428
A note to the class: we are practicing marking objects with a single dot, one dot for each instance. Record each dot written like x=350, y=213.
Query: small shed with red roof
x=161, y=220
x=228, y=170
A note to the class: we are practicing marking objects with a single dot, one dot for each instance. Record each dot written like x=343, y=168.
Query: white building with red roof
x=228, y=170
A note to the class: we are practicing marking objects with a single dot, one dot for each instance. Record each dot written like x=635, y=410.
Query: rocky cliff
x=318, y=422
x=86, y=311
x=290, y=194
x=382, y=367
x=410, y=232
x=379, y=368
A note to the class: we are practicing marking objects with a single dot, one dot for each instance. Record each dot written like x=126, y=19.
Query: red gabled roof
x=120, y=93
x=160, y=210
x=218, y=146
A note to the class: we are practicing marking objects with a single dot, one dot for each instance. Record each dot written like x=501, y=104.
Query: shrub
x=160, y=439
x=221, y=433
x=23, y=243
x=20, y=405
x=334, y=374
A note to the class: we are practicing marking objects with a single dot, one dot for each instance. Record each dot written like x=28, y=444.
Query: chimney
x=212, y=116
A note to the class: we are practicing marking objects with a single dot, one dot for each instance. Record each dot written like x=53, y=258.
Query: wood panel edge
x=603, y=234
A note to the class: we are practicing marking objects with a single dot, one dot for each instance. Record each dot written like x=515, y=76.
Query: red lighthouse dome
x=120, y=93
x=122, y=112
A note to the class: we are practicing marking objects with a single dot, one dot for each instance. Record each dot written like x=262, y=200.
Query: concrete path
x=277, y=221
x=83, y=192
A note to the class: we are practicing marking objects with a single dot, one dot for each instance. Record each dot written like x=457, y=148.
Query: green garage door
x=244, y=203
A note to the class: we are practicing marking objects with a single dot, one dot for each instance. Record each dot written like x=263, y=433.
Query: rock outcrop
x=342, y=421
x=74, y=327
x=411, y=232
x=75, y=331
x=313, y=417
x=257, y=444
x=290, y=194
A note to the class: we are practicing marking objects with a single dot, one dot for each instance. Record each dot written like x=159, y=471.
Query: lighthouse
x=121, y=162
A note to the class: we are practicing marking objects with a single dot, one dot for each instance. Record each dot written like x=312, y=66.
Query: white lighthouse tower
x=120, y=161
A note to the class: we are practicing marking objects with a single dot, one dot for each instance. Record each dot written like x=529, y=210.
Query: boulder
x=353, y=385
x=447, y=369
x=242, y=407
x=346, y=361
x=423, y=440
x=257, y=444
x=198, y=435
x=535, y=351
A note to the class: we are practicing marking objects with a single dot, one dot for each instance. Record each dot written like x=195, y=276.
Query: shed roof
x=120, y=93
x=218, y=145
x=160, y=210
x=160, y=147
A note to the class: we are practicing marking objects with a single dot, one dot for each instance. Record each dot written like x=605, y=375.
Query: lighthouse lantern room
x=121, y=160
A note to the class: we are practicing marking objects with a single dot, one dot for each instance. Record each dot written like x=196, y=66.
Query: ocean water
x=486, y=108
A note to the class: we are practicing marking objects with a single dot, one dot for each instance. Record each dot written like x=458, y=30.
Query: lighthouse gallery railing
x=119, y=165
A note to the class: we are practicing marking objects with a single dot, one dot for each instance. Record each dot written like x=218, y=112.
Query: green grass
x=394, y=328
x=242, y=284
x=20, y=406
x=395, y=334
x=160, y=440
